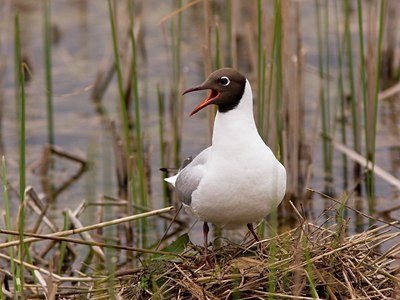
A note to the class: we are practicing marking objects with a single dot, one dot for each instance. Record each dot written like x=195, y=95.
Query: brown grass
x=338, y=267
x=341, y=268
x=307, y=262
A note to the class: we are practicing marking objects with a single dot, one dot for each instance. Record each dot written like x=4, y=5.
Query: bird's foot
x=207, y=263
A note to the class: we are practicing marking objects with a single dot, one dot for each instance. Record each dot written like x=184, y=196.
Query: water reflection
x=83, y=57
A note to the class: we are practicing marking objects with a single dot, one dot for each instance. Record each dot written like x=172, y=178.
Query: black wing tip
x=167, y=170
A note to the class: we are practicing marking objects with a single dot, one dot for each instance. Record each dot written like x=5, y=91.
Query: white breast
x=244, y=181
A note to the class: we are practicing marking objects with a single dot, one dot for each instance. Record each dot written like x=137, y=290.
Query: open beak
x=209, y=100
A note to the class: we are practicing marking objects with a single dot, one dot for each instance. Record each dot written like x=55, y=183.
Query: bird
x=237, y=180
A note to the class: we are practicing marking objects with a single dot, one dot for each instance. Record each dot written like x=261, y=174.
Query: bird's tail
x=171, y=179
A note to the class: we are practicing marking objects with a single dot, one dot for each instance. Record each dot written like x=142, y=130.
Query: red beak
x=209, y=100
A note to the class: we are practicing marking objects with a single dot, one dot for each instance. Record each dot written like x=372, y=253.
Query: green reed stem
x=124, y=112
x=349, y=49
x=217, y=48
x=48, y=67
x=161, y=126
x=271, y=72
x=138, y=126
x=369, y=175
x=322, y=97
x=63, y=244
x=362, y=62
x=327, y=89
x=309, y=269
x=228, y=33
x=273, y=251
x=8, y=218
x=341, y=96
x=21, y=104
x=259, y=64
x=109, y=232
x=176, y=32
x=138, y=123
x=278, y=76
x=371, y=154
x=263, y=86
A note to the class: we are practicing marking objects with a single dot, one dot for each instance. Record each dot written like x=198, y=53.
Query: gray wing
x=190, y=175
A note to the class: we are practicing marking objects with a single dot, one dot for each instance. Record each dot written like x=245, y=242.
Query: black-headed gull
x=237, y=180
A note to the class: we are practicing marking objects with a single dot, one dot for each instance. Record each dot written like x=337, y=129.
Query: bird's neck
x=237, y=125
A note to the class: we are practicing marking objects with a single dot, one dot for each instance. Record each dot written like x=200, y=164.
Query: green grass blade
x=323, y=96
x=371, y=154
x=21, y=104
x=217, y=48
x=8, y=217
x=124, y=112
x=139, y=147
x=63, y=244
x=349, y=55
x=341, y=95
x=259, y=64
x=279, y=77
x=48, y=67
x=161, y=126
x=176, y=33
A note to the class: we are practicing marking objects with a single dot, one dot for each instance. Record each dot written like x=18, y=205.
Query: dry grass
x=337, y=267
x=307, y=262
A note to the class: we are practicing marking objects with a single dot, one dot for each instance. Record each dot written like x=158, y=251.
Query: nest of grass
x=308, y=262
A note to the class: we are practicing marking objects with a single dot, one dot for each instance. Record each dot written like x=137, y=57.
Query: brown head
x=226, y=89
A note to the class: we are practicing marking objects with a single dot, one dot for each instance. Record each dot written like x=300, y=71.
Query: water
x=82, y=46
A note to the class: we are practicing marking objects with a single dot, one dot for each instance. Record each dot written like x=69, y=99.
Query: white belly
x=233, y=194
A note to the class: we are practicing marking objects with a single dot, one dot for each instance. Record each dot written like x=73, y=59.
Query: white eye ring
x=224, y=81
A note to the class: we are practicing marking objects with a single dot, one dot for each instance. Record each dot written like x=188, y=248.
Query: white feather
x=172, y=179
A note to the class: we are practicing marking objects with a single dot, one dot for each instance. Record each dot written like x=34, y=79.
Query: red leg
x=251, y=228
x=205, y=233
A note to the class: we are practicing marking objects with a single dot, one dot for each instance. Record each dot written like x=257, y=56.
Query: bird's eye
x=224, y=81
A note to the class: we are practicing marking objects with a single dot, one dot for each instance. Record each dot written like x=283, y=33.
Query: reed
x=63, y=245
x=341, y=94
x=270, y=76
x=48, y=70
x=323, y=96
x=109, y=233
x=218, y=63
x=309, y=269
x=261, y=70
x=260, y=99
x=278, y=75
x=176, y=109
x=350, y=76
x=229, y=45
x=371, y=150
x=20, y=91
x=124, y=111
x=161, y=129
x=272, y=253
x=138, y=126
x=263, y=87
x=8, y=219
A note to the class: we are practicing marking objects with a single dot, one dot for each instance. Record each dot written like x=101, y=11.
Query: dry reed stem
x=86, y=236
x=350, y=270
x=341, y=267
x=389, y=92
x=88, y=242
x=389, y=178
x=177, y=11
x=92, y=227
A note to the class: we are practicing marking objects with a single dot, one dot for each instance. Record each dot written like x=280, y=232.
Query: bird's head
x=226, y=89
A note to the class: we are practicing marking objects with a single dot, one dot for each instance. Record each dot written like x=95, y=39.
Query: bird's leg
x=251, y=229
x=206, y=229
